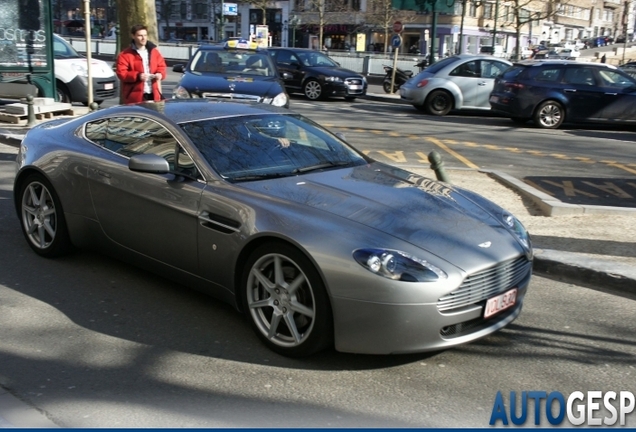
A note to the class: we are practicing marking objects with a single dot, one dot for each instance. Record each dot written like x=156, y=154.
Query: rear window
x=512, y=72
x=438, y=66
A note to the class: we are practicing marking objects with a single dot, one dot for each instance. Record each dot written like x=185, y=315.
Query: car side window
x=578, y=76
x=611, y=78
x=468, y=69
x=129, y=136
x=548, y=75
x=284, y=57
x=492, y=68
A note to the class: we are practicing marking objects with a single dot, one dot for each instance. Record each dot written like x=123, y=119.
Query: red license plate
x=501, y=302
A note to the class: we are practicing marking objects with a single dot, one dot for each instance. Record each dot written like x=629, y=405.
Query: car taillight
x=513, y=86
x=422, y=83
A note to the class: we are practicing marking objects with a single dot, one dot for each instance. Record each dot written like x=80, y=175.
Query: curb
x=598, y=274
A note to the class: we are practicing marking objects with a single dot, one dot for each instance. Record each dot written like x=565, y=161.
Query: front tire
x=439, y=103
x=42, y=218
x=62, y=93
x=313, y=90
x=549, y=115
x=286, y=302
x=386, y=85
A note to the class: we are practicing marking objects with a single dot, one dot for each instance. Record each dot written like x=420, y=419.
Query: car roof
x=557, y=61
x=190, y=110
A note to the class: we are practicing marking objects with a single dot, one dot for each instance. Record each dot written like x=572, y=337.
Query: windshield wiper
x=320, y=166
x=259, y=176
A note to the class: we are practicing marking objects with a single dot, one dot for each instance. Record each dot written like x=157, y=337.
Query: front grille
x=480, y=286
x=354, y=85
x=232, y=96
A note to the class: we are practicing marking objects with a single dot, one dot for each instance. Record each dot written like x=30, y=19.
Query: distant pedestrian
x=140, y=68
x=603, y=59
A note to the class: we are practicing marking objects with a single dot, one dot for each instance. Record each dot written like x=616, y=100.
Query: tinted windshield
x=232, y=63
x=256, y=147
x=315, y=58
x=63, y=49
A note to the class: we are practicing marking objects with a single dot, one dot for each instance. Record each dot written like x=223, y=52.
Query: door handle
x=570, y=90
x=102, y=173
x=611, y=94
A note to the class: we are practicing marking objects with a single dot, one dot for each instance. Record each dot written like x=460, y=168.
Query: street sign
x=230, y=9
x=396, y=41
x=397, y=27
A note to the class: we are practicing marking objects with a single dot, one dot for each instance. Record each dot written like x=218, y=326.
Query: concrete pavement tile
x=15, y=413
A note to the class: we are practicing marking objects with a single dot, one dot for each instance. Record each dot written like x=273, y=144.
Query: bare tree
x=324, y=12
x=166, y=9
x=382, y=14
x=522, y=13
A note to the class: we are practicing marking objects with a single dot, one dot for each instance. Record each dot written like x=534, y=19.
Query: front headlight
x=397, y=265
x=80, y=68
x=281, y=100
x=517, y=227
x=180, y=93
x=333, y=79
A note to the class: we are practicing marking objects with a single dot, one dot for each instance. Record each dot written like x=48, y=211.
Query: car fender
x=448, y=86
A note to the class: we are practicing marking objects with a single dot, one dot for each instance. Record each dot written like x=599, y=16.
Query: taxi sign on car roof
x=241, y=44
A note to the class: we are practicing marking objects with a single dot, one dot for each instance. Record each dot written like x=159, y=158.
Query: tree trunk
x=132, y=12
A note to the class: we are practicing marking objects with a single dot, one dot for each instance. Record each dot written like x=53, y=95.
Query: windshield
x=63, y=49
x=315, y=58
x=265, y=146
x=232, y=63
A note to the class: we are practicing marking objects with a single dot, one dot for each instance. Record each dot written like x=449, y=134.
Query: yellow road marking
x=444, y=147
x=621, y=166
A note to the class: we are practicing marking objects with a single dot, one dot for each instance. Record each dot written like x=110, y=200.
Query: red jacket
x=130, y=67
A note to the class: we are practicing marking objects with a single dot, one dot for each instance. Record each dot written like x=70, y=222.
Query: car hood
x=250, y=85
x=99, y=68
x=334, y=71
x=434, y=216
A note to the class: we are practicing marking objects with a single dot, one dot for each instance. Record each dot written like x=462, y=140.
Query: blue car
x=551, y=92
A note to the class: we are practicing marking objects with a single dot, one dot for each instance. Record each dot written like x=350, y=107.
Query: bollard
x=30, y=111
x=437, y=165
x=94, y=106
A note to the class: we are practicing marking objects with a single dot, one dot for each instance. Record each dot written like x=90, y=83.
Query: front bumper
x=368, y=327
x=350, y=87
x=103, y=88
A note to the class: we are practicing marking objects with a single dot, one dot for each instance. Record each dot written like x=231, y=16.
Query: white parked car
x=71, y=75
x=569, y=53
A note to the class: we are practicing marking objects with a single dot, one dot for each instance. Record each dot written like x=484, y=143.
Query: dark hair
x=138, y=27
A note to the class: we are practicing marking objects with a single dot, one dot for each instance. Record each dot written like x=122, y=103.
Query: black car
x=236, y=71
x=316, y=75
x=551, y=92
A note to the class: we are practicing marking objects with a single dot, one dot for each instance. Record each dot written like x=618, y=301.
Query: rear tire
x=439, y=103
x=549, y=115
x=42, y=218
x=386, y=85
x=286, y=302
x=62, y=93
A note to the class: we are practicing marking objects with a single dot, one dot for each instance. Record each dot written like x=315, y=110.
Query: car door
x=488, y=70
x=466, y=77
x=583, y=94
x=287, y=61
x=619, y=95
x=152, y=214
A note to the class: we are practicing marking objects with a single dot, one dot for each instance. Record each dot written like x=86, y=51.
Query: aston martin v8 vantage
x=317, y=244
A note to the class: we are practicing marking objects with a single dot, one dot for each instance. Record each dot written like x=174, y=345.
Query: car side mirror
x=286, y=76
x=179, y=67
x=148, y=163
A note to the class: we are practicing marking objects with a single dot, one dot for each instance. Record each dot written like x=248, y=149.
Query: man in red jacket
x=140, y=68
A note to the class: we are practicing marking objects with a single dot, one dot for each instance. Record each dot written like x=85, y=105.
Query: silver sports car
x=316, y=243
